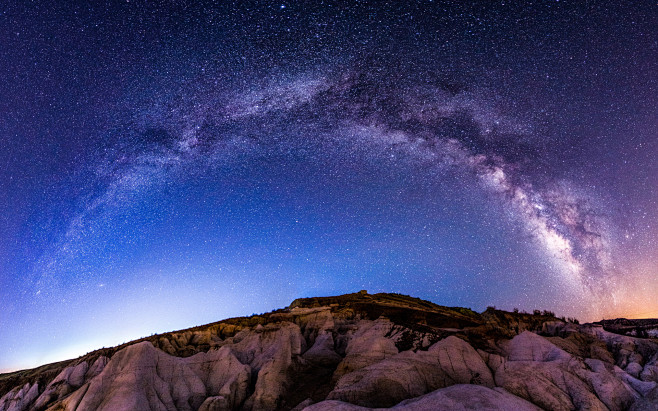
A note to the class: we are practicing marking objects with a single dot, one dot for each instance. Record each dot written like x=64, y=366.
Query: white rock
x=367, y=346
x=322, y=352
x=67, y=381
x=459, y=397
x=143, y=377
x=20, y=398
x=528, y=346
x=461, y=362
x=97, y=367
x=271, y=353
x=493, y=361
x=613, y=391
x=223, y=375
x=408, y=374
x=545, y=375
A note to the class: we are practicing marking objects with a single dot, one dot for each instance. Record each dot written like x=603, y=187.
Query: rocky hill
x=636, y=328
x=356, y=352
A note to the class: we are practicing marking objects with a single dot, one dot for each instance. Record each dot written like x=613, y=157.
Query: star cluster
x=170, y=164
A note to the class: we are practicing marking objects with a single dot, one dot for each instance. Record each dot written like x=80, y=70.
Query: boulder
x=223, y=375
x=551, y=378
x=492, y=360
x=97, y=367
x=67, y=381
x=306, y=403
x=528, y=346
x=461, y=362
x=408, y=374
x=142, y=377
x=604, y=380
x=20, y=398
x=533, y=367
x=272, y=351
x=216, y=403
x=547, y=385
x=459, y=397
x=467, y=397
x=367, y=346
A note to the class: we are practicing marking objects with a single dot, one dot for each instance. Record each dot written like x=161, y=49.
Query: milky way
x=167, y=166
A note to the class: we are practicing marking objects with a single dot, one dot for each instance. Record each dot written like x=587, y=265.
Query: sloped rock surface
x=544, y=374
x=410, y=374
x=454, y=398
x=143, y=377
x=66, y=382
x=19, y=398
x=352, y=352
x=226, y=379
x=367, y=346
x=271, y=351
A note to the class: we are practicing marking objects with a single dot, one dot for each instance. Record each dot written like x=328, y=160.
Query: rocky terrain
x=356, y=352
x=635, y=328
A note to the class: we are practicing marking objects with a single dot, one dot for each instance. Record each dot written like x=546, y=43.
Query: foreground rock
x=454, y=398
x=356, y=352
x=410, y=374
x=546, y=375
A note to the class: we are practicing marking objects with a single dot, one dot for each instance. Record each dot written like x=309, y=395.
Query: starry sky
x=165, y=164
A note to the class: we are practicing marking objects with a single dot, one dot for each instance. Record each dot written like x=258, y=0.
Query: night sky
x=169, y=164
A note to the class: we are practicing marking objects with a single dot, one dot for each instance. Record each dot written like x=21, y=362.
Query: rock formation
x=356, y=352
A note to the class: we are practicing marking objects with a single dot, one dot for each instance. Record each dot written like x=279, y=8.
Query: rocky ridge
x=356, y=352
x=635, y=328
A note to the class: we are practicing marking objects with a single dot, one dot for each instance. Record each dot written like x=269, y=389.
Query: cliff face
x=355, y=352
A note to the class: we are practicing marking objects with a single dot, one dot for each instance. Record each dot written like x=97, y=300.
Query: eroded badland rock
x=356, y=352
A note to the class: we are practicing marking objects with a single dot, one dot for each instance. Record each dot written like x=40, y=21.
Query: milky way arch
x=440, y=125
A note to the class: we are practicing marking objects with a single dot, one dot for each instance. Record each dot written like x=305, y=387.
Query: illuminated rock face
x=356, y=352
